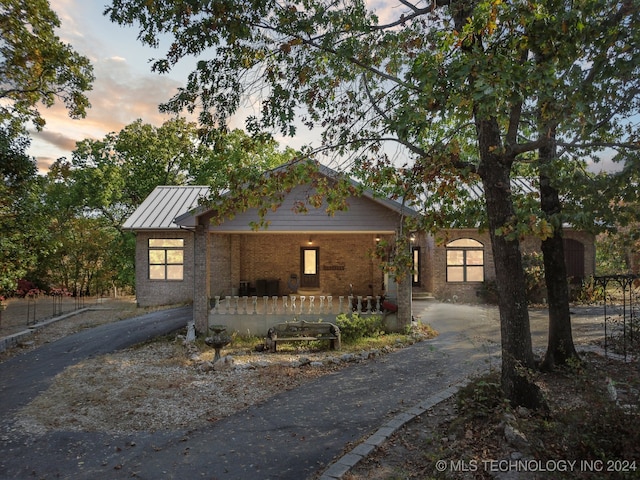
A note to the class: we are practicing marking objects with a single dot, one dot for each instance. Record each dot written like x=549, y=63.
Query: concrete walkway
x=299, y=434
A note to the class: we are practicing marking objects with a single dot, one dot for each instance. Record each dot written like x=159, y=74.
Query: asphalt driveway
x=294, y=435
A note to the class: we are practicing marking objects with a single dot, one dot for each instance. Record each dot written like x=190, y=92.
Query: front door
x=310, y=271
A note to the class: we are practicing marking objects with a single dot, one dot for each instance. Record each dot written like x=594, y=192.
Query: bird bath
x=218, y=340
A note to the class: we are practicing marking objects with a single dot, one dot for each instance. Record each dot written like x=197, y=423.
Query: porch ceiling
x=307, y=231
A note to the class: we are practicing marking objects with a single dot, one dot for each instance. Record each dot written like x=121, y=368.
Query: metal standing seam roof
x=168, y=204
x=163, y=205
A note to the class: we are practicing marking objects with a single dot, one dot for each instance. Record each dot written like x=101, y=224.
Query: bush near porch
x=353, y=326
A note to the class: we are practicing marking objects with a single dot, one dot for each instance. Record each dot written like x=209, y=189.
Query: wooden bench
x=303, y=331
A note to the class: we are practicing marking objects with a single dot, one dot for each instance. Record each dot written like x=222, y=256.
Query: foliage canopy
x=467, y=90
x=36, y=66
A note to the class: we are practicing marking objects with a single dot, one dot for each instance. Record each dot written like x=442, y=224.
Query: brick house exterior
x=182, y=257
x=434, y=262
x=187, y=258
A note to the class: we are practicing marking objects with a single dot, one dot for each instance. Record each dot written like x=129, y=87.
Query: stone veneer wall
x=163, y=292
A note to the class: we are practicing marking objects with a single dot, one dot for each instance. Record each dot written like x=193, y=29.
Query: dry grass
x=167, y=385
x=584, y=423
x=155, y=387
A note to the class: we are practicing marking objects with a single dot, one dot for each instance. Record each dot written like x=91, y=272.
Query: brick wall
x=469, y=292
x=343, y=259
x=587, y=240
x=463, y=292
x=162, y=292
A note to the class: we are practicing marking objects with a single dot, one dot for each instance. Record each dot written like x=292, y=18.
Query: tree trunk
x=560, y=347
x=495, y=172
x=517, y=352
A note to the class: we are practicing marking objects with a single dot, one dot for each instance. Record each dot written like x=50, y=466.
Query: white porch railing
x=296, y=305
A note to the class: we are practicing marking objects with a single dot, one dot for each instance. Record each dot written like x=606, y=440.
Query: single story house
x=308, y=266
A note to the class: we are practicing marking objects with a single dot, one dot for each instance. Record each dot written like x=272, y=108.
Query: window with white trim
x=465, y=260
x=166, y=258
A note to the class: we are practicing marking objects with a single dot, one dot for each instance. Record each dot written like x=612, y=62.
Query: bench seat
x=303, y=331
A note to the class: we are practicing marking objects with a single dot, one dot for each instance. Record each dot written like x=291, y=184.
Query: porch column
x=404, y=303
x=201, y=278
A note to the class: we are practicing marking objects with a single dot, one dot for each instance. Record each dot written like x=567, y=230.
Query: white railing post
x=312, y=306
x=244, y=304
x=274, y=305
x=322, y=297
x=216, y=305
x=330, y=303
x=235, y=302
x=285, y=304
x=265, y=303
x=293, y=303
x=359, y=303
x=302, y=299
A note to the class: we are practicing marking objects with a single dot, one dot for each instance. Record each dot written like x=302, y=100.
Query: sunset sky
x=125, y=89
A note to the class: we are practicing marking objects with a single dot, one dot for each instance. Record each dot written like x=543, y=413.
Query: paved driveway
x=25, y=376
x=294, y=435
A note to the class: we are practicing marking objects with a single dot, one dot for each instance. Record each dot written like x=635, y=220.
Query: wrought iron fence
x=622, y=329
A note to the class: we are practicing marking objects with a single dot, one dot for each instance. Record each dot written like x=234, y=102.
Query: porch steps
x=419, y=295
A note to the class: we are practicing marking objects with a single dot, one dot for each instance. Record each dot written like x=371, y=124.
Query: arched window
x=465, y=260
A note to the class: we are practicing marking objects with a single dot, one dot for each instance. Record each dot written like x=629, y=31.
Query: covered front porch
x=310, y=262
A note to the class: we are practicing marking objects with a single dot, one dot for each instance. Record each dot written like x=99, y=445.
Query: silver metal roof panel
x=163, y=205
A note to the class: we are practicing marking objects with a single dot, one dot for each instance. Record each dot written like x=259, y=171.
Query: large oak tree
x=108, y=178
x=465, y=89
x=36, y=69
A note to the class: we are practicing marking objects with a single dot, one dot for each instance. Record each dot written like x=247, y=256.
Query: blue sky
x=125, y=89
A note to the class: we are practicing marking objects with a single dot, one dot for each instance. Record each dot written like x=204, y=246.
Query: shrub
x=354, y=327
x=590, y=292
x=533, y=264
x=488, y=292
x=481, y=397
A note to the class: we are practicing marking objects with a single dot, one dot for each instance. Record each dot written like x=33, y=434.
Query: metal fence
x=622, y=328
x=30, y=310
